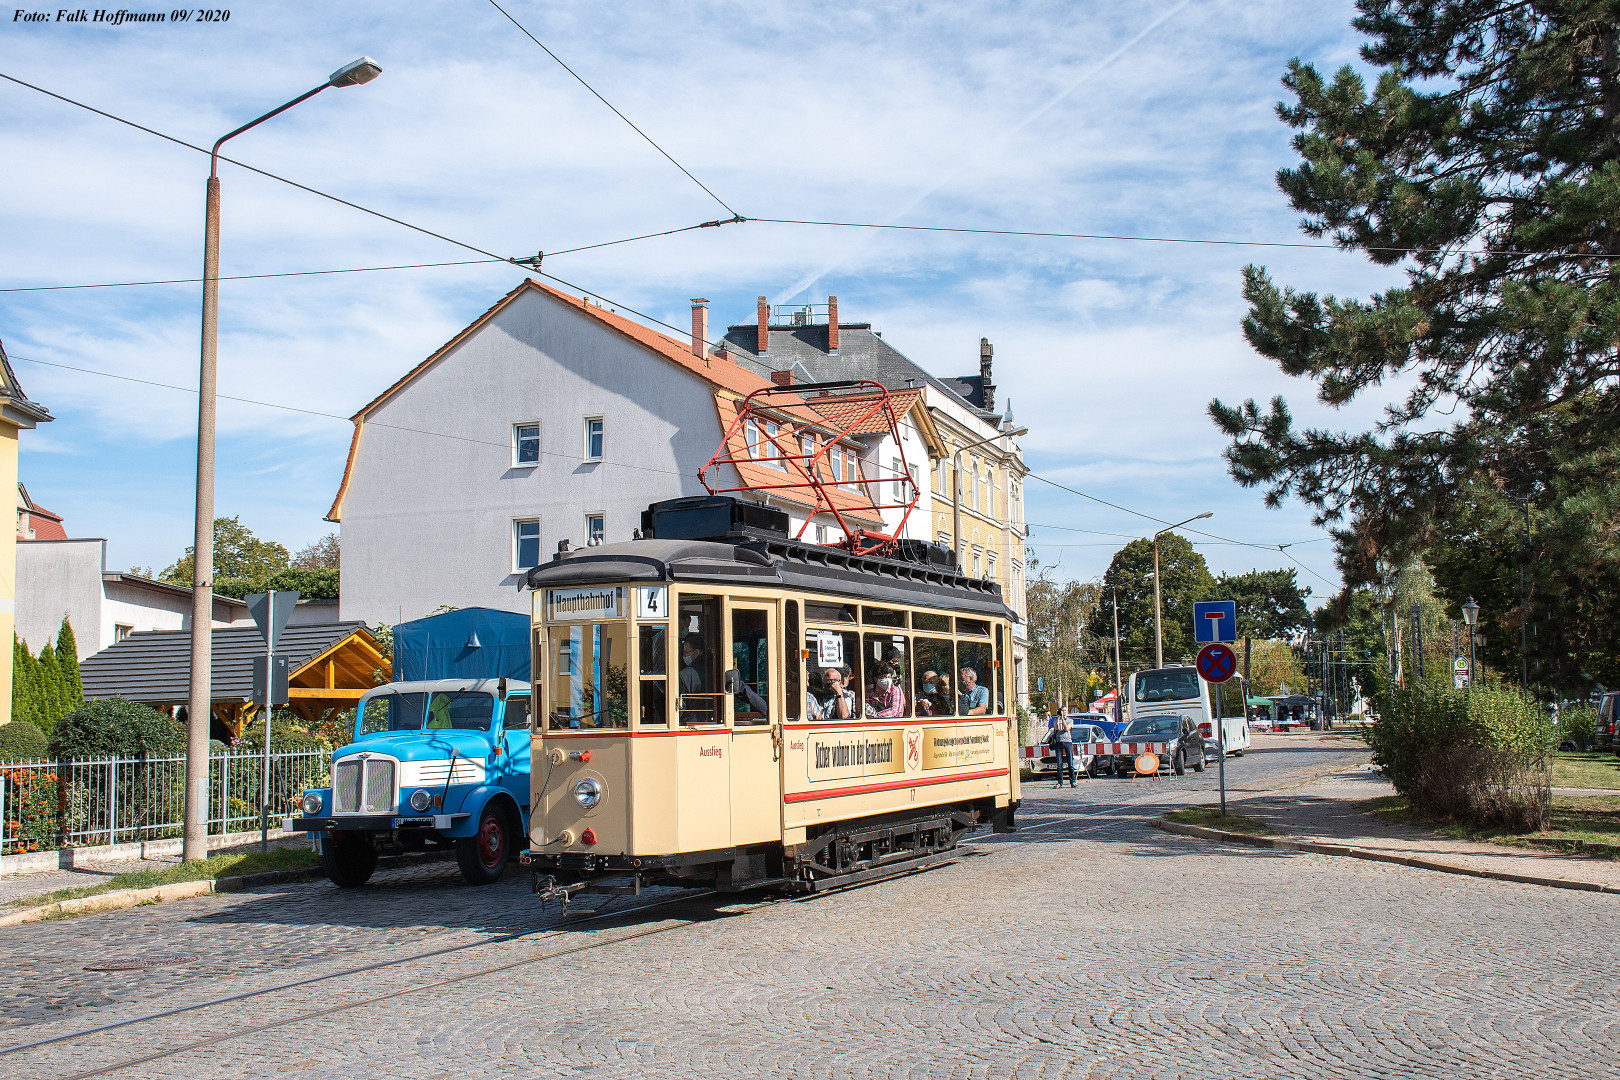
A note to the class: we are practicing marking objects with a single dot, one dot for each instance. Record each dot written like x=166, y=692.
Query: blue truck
x=440, y=757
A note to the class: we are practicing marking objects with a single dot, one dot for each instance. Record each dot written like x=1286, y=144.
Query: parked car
x=1185, y=743
x=1607, y=737
x=1044, y=760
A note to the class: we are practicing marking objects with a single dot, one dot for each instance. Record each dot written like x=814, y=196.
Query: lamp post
x=1158, y=614
x=956, y=481
x=1470, y=613
x=199, y=707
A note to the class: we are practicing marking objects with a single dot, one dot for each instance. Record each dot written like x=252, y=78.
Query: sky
x=1154, y=118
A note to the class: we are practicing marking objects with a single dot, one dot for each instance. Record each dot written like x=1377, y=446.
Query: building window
x=121, y=631
x=977, y=553
x=899, y=479
x=807, y=445
x=851, y=471
x=751, y=437
x=526, y=443
x=525, y=543
x=594, y=528
x=835, y=461
x=821, y=534
x=772, y=450
x=990, y=566
x=939, y=477
x=594, y=438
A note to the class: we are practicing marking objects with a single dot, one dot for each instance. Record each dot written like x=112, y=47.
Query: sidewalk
x=22, y=886
x=1324, y=810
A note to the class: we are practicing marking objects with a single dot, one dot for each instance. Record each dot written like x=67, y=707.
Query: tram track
x=416, y=988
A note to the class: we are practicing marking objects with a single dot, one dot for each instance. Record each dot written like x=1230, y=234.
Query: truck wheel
x=348, y=859
x=482, y=856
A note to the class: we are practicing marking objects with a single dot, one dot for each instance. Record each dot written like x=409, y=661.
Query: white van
x=1180, y=690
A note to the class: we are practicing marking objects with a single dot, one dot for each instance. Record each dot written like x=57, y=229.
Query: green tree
x=1186, y=579
x=1062, y=648
x=67, y=657
x=1486, y=161
x=238, y=554
x=53, y=700
x=1270, y=603
x=24, y=697
x=323, y=554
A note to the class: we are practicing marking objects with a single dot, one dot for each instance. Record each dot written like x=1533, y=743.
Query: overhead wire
x=615, y=111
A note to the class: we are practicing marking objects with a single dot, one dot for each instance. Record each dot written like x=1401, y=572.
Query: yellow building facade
x=17, y=413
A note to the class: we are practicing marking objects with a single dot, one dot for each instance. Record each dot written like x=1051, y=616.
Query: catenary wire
x=615, y=111
x=363, y=269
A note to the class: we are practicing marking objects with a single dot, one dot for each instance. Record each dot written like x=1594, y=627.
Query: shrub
x=1480, y=756
x=116, y=728
x=286, y=736
x=1578, y=724
x=22, y=741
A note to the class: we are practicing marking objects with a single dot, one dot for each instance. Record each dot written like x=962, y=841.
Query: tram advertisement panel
x=949, y=747
x=845, y=755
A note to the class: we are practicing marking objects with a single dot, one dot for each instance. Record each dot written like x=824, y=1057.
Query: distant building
x=34, y=522
x=808, y=342
x=550, y=418
x=17, y=414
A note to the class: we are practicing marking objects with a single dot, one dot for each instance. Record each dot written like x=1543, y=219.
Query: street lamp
x=956, y=479
x=1470, y=612
x=1158, y=613
x=200, y=701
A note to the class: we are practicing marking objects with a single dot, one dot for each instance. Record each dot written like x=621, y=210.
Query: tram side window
x=795, y=691
x=751, y=657
x=818, y=611
x=589, y=676
x=832, y=675
x=699, y=630
x=653, y=674
x=888, y=669
x=934, y=624
x=934, y=688
x=973, y=674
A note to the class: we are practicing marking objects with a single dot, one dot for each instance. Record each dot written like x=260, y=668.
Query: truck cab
x=442, y=763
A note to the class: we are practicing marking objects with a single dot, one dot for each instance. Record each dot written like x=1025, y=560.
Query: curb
x=123, y=899
x=1346, y=851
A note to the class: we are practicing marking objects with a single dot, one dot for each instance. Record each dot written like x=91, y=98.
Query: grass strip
x=1586, y=825
x=213, y=867
x=1586, y=769
x=1210, y=818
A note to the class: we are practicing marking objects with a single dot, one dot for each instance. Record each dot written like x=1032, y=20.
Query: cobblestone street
x=1085, y=945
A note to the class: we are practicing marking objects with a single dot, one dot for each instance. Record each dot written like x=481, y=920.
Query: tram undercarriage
x=839, y=854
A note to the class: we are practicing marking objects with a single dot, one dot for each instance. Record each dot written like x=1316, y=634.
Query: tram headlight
x=420, y=800
x=587, y=793
x=310, y=804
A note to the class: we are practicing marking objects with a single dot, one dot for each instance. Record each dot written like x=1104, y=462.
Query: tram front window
x=589, y=678
x=698, y=628
x=654, y=644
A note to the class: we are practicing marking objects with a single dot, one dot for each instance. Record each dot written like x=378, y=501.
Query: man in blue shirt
x=974, y=700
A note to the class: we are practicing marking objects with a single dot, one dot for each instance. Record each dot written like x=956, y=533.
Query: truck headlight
x=587, y=793
x=310, y=804
x=420, y=800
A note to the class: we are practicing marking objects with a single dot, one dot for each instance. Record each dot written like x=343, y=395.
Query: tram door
x=756, y=711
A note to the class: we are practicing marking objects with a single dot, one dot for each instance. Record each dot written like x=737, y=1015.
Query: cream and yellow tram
x=718, y=704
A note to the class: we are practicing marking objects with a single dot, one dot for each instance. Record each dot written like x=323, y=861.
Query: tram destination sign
x=847, y=755
x=568, y=605
x=949, y=747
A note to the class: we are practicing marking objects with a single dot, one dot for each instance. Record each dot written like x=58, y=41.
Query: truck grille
x=364, y=786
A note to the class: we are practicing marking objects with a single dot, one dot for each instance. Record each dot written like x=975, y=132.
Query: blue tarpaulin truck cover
x=470, y=643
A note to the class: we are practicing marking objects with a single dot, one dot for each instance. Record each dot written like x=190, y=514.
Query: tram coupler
x=546, y=889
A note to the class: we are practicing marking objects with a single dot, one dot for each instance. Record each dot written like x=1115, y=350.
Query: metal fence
x=55, y=804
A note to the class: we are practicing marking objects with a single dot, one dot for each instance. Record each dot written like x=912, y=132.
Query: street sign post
x=1214, y=620
x=1216, y=664
x=270, y=611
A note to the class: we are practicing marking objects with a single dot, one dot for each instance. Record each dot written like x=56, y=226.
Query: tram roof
x=786, y=564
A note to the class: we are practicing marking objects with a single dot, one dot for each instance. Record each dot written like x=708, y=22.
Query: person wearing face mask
x=884, y=698
x=694, y=680
x=840, y=703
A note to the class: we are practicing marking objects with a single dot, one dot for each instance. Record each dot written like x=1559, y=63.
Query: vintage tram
x=719, y=704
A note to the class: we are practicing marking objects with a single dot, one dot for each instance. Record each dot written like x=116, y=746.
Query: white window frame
x=517, y=442
x=587, y=433
x=899, y=488
x=772, y=431
x=835, y=462
x=821, y=533
x=599, y=517
x=990, y=566
x=517, y=544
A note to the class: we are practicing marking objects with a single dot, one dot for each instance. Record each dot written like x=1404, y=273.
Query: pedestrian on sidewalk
x=1063, y=744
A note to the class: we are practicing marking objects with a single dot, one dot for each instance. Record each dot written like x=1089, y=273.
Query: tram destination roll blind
x=586, y=603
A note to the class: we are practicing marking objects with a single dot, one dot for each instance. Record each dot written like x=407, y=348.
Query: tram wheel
x=482, y=856
x=348, y=859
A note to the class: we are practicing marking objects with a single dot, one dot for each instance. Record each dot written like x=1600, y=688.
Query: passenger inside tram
x=884, y=697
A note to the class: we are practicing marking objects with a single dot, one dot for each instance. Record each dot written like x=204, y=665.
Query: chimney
x=832, y=325
x=764, y=325
x=700, y=327
x=782, y=378
x=987, y=353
